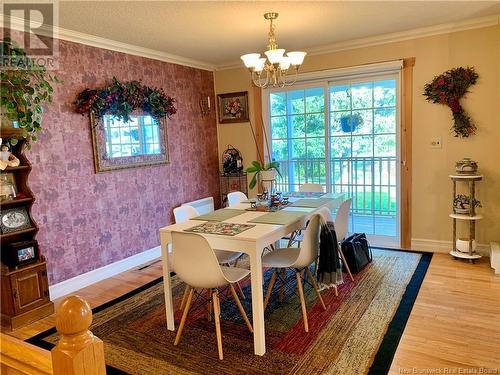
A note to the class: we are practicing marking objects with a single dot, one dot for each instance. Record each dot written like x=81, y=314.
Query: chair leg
x=184, y=316
x=240, y=291
x=302, y=301
x=209, y=305
x=282, y=285
x=184, y=297
x=345, y=263
x=240, y=307
x=269, y=289
x=315, y=286
x=215, y=300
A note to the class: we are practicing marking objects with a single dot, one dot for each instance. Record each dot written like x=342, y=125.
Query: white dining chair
x=341, y=226
x=185, y=213
x=197, y=265
x=311, y=188
x=235, y=197
x=299, y=259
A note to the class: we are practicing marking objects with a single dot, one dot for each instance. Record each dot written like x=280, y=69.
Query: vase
x=462, y=245
x=462, y=211
x=267, y=179
x=466, y=166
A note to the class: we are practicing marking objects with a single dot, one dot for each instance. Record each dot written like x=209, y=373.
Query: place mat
x=279, y=217
x=304, y=194
x=311, y=202
x=226, y=229
x=220, y=215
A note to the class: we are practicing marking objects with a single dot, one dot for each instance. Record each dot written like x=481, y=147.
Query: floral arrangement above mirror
x=128, y=124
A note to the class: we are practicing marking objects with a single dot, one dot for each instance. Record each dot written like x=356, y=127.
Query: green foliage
x=25, y=88
x=256, y=167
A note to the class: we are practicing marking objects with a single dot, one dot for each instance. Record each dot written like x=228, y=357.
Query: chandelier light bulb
x=275, y=55
x=260, y=64
x=284, y=63
x=296, y=57
x=250, y=59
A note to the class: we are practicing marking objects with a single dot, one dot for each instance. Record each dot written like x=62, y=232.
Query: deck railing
x=370, y=181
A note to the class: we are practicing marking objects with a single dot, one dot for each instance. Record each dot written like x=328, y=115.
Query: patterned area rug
x=344, y=339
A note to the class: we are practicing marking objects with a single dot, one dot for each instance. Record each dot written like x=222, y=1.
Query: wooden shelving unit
x=471, y=217
x=232, y=182
x=24, y=287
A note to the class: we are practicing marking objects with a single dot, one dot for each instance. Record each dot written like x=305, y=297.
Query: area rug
x=357, y=334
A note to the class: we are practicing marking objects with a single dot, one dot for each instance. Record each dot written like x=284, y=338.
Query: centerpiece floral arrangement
x=122, y=98
x=448, y=88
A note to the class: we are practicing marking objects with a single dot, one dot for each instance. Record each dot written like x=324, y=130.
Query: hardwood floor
x=454, y=324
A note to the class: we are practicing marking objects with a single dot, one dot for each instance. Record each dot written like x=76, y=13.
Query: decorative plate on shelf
x=14, y=219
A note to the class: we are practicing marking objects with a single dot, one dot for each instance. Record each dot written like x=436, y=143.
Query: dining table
x=263, y=230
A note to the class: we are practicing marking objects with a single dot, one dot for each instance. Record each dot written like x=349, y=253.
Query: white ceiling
x=218, y=32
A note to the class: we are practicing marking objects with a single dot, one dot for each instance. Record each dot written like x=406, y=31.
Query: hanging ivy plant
x=448, y=88
x=25, y=88
x=121, y=98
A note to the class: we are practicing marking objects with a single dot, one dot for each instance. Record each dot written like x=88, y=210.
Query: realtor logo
x=32, y=26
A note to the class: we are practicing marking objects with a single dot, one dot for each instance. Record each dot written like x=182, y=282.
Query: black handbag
x=357, y=252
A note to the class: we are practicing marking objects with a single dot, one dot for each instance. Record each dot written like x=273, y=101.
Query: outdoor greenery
x=298, y=124
x=25, y=88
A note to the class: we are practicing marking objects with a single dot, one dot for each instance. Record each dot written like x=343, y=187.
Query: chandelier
x=273, y=70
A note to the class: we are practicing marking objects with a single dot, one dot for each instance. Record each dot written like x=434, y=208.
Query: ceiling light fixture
x=276, y=65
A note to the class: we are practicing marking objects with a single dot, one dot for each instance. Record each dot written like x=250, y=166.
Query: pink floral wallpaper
x=89, y=220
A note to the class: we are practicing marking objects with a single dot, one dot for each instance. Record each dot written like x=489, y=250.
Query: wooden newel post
x=78, y=352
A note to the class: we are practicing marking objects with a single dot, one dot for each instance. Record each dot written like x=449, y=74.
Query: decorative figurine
x=7, y=158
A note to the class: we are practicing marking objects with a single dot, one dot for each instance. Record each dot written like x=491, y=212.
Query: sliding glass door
x=345, y=136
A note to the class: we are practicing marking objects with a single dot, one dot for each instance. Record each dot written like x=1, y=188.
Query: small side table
x=471, y=217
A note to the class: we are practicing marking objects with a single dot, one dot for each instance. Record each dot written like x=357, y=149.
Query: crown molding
x=99, y=42
x=109, y=44
x=422, y=32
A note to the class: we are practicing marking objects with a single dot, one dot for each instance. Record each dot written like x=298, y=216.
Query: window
x=138, y=136
x=298, y=136
x=344, y=135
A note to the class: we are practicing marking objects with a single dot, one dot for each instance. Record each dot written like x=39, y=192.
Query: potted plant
x=350, y=122
x=25, y=87
x=462, y=204
x=266, y=172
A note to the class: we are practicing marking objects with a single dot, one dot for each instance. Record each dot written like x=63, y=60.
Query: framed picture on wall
x=233, y=107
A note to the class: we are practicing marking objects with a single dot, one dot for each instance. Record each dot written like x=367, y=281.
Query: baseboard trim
x=81, y=281
x=435, y=246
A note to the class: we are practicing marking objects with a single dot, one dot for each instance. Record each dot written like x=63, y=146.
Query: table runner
x=226, y=229
x=220, y=215
x=311, y=202
x=279, y=217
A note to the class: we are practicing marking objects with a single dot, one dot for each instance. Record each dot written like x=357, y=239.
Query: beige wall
x=431, y=186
